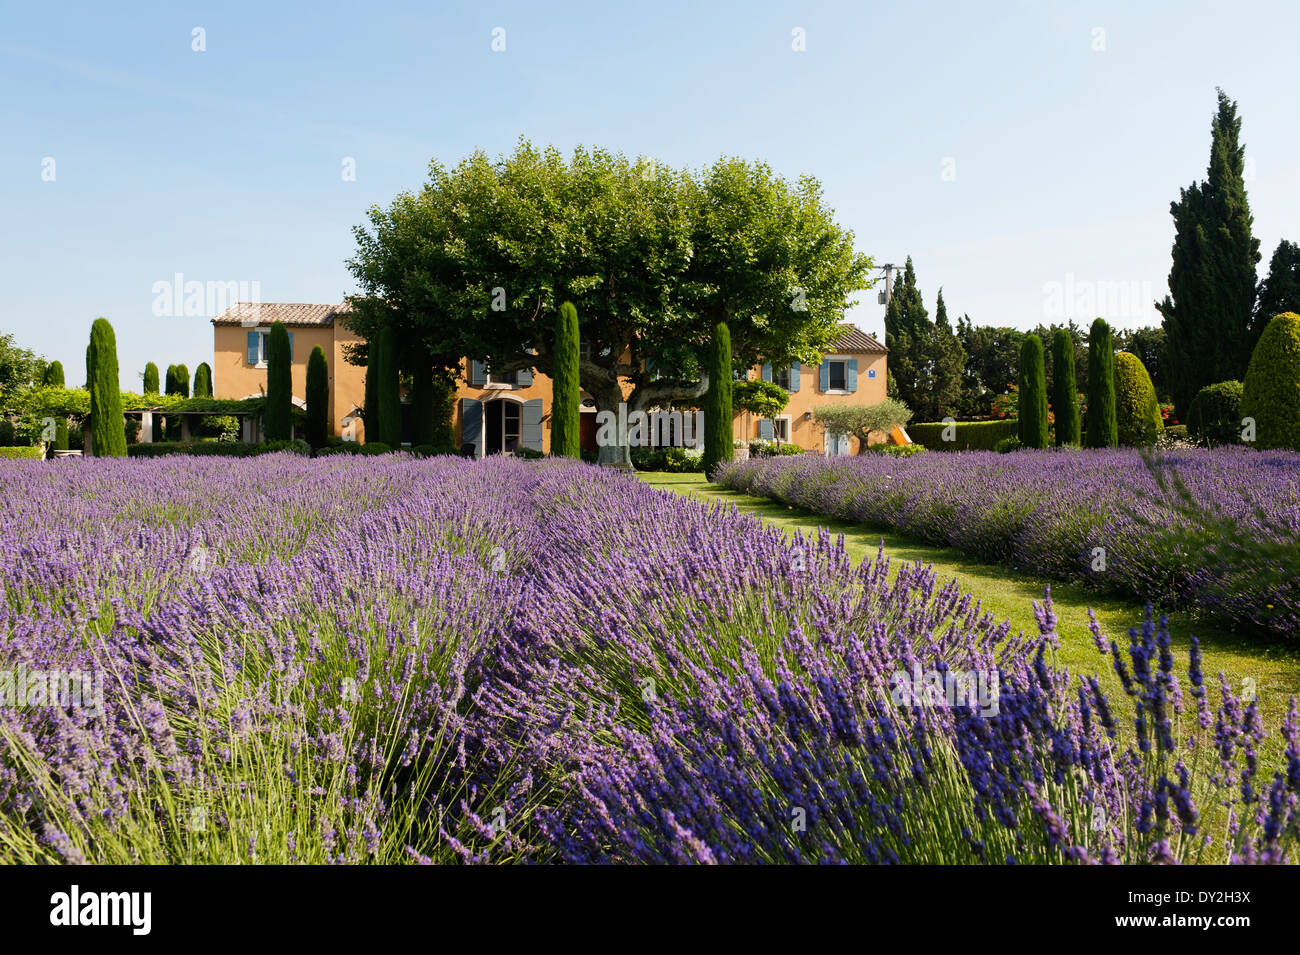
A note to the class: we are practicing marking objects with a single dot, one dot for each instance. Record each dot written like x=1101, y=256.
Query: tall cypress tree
x=182, y=382
x=203, y=381
x=318, y=398
x=718, y=415
x=1033, y=394
x=107, y=424
x=565, y=396
x=1103, y=426
x=151, y=379
x=1064, y=389
x=53, y=377
x=1280, y=291
x=1208, y=316
x=169, y=381
x=388, y=395
x=277, y=420
x=907, y=326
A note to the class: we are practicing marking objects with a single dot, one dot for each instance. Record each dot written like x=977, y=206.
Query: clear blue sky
x=225, y=165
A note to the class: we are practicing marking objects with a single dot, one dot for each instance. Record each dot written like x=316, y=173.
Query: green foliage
x=53, y=376
x=1280, y=290
x=430, y=405
x=178, y=381
x=203, y=381
x=1033, y=395
x=1008, y=444
x=992, y=358
x=760, y=448
x=29, y=453
x=1137, y=410
x=20, y=368
x=7, y=433
x=318, y=398
x=766, y=399
x=1271, y=391
x=672, y=460
x=926, y=359
x=718, y=413
x=1064, y=390
x=229, y=449
x=277, y=421
x=107, y=427
x=1208, y=317
x=1214, y=416
x=1102, y=428
x=566, y=395
x=370, y=410
x=388, y=395
x=151, y=379
x=897, y=450
x=967, y=435
x=862, y=421
x=1152, y=346
x=376, y=447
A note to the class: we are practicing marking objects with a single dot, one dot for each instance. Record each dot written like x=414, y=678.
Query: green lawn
x=1275, y=666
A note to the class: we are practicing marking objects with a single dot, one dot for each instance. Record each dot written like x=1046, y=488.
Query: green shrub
x=151, y=379
x=376, y=447
x=1008, y=444
x=158, y=449
x=7, y=433
x=896, y=450
x=340, y=447
x=295, y=446
x=1214, y=416
x=1137, y=411
x=762, y=448
x=1033, y=394
x=53, y=375
x=1271, y=391
x=203, y=381
x=277, y=420
x=388, y=429
x=671, y=460
x=1102, y=429
x=33, y=453
x=968, y=435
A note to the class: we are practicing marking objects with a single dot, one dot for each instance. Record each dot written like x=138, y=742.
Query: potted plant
x=740, y=450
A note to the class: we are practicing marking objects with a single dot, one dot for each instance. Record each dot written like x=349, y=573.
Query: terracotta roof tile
x=854, y=339
x=290, y=313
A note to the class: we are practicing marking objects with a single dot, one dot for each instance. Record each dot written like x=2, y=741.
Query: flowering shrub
x=1097, y=515
x=401, y=659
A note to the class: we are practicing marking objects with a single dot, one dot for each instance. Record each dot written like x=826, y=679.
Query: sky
x=1024, y=154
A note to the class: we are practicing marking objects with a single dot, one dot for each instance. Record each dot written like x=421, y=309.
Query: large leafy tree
x=20, y=368
x=653, y=258
x=992, y=359
x=1208, y=316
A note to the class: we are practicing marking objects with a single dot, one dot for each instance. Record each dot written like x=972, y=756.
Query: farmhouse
x=502, y=413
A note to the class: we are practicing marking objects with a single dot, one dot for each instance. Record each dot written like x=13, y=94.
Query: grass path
x=1009, y=594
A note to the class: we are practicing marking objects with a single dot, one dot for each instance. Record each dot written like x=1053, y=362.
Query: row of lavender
x=398, y=659
x=1216, y=530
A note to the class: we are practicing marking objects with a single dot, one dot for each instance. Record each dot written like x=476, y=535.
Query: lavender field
x=1218, y=531
x=391, y=659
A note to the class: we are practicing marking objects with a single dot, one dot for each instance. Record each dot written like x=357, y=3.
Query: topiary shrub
x=318, y=398
x=1137, y=411
x=966, y=435
x=1271, y=391
x=107, y=423
x=203, y=381
x=1102, y=430
x=151, y=379
x=1033, y=394
x=1214, y=416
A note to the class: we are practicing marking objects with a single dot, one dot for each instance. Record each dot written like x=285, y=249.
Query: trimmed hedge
x=1271, y=391
x=1215, y=413
x=31, y=453
x=230, y=449
x=1137, y=411
x=969, y=435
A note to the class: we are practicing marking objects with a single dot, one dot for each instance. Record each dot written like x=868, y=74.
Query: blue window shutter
x=825, y=382
x=794, y=377
x=477, y=373
x=291, y=348
x=530, y=425
x=254, y=347
x=767, y=371
x=765, y=430
x=471, y=424
x=851, y=374
x=524, y=377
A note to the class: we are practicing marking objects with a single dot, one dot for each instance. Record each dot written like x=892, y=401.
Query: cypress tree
x=182, y=382
x=203, y=381
x=151, y=379
x=107, y=424
x=1208, y=317
x=1033, y=394
x=1064, y=390
x=318, y=398
x=717, y=409
x=277, y=420
x=370, y=410
x=907, y=328
x=53, y=375
x=424, y=423
x=1103, y=426
x=565, y=397
x=169, y=383
x=388, y=396
x=1280, y=291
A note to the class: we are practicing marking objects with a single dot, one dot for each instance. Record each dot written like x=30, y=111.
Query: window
x=510, y=430
x=782, y=377
x=839, y=376
x=258, y=341
x=509, y=378
x=781, y=428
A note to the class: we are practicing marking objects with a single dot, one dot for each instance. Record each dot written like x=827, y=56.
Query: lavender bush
x=395, y=659
x=1226, y=544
